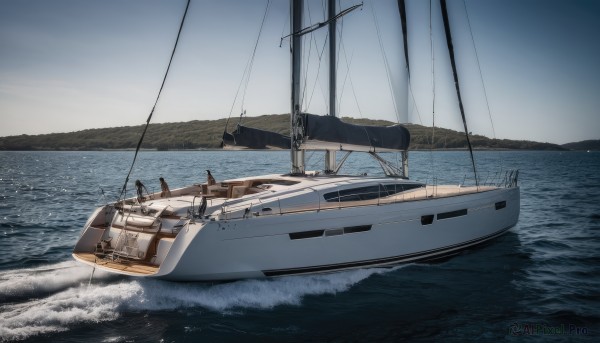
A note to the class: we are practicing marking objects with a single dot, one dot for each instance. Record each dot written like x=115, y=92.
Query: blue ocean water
x=540, y=281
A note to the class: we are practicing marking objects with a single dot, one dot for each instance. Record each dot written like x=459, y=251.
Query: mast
x=332, y=55
x=330, y=160
x=403, y=22
x=297, y=154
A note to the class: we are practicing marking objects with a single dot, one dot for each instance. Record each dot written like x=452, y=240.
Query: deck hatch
x=452, y=214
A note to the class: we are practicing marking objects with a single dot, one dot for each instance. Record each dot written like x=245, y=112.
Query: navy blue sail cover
x=333, y=130
x=252, y=138
x=324, y=132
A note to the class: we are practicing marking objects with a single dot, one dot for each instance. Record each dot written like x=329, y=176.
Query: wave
x=32, y=282
x=72, y=301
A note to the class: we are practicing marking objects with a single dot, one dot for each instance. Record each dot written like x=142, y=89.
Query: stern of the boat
x=131, y=241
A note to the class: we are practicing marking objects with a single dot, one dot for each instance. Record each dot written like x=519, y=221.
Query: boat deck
x=429, y=192
x=124, y=266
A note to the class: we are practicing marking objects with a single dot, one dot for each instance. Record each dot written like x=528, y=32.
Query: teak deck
x=133, y=267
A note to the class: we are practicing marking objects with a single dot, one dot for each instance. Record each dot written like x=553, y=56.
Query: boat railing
x=502, y=178
x=510, y=179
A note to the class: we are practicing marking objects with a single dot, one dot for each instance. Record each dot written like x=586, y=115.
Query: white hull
x=392, y=230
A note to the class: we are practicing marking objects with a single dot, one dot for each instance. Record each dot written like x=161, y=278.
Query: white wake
x=69, y=301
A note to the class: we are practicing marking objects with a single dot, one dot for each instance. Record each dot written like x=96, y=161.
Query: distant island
x=206, y=134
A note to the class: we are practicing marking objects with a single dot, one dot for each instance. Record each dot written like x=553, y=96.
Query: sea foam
x=69, y=300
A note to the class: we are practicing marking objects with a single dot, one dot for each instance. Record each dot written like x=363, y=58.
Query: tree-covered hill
x=206, y=134
x=591, y=144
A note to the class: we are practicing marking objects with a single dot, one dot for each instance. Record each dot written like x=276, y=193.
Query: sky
x=70, y=65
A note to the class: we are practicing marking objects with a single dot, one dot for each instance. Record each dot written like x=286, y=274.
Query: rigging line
x=312, y=93
x=262, y=23
x=479, y=67
x=355, y=98
x=316, y=26
x=246, y=71
x=412, y=96
x=348, y=63
x=341, y=49
x=137, y=149
x=302, y=97
x=285, y=21
x=456, y=84
x=235, y=97
x=339, y=30
x=318, y=68
x=432, y=52
x=323, y=93
x=385, y=62
x=487, y=103
x=348, y=75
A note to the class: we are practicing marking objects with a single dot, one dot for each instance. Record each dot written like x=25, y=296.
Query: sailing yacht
x=303, y=221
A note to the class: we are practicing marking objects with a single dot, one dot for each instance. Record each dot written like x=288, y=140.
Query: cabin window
x=334, y=232
x=369, y=192
x=353, y=194
x=500, y=205
x=452, y=214
x=394, y=188
x=306, y=234
x=330, y=232
x=426, y=220
x=355, y=229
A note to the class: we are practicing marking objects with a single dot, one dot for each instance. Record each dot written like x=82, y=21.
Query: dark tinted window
x=500, y=205
x=452, y=214
x=394, y=188
x=306, y=234
x=369, y=192
x=426, y=220
x=354, y=229
x=353, y=194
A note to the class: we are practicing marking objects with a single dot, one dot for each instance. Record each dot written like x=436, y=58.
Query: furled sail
x=251, y=138
x=327, y=132
x=323, y=133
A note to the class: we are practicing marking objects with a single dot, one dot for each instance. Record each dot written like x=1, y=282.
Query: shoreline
x=278, y=150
